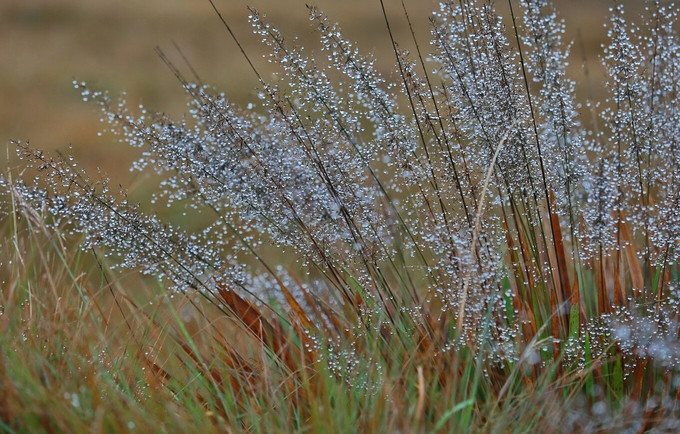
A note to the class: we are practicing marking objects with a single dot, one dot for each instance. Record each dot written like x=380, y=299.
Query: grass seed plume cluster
x=474, y=248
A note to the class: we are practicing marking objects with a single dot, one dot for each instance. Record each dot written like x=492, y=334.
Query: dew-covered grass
x=461, y=246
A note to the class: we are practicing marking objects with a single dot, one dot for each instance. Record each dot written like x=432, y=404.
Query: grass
x=71, y=364
x=111, y=43
x=452, y=250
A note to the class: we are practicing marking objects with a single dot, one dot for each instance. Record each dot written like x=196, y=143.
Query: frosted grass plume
x=376, y=187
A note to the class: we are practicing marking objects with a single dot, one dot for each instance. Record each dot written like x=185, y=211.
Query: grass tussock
x=452, y=248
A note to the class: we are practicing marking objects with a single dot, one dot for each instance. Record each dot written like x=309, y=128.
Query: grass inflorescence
x=452, y=248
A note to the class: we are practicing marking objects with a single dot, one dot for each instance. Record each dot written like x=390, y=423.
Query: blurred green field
x=45, y=44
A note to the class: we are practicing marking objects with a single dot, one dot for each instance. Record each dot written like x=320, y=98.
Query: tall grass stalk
x=450, y=249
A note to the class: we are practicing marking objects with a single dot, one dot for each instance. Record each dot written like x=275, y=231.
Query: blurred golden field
x=44, y=45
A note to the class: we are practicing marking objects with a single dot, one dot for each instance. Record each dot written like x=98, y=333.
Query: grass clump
x=453, y=249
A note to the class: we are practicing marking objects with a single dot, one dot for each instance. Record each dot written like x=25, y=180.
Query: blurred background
x=46, y=44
